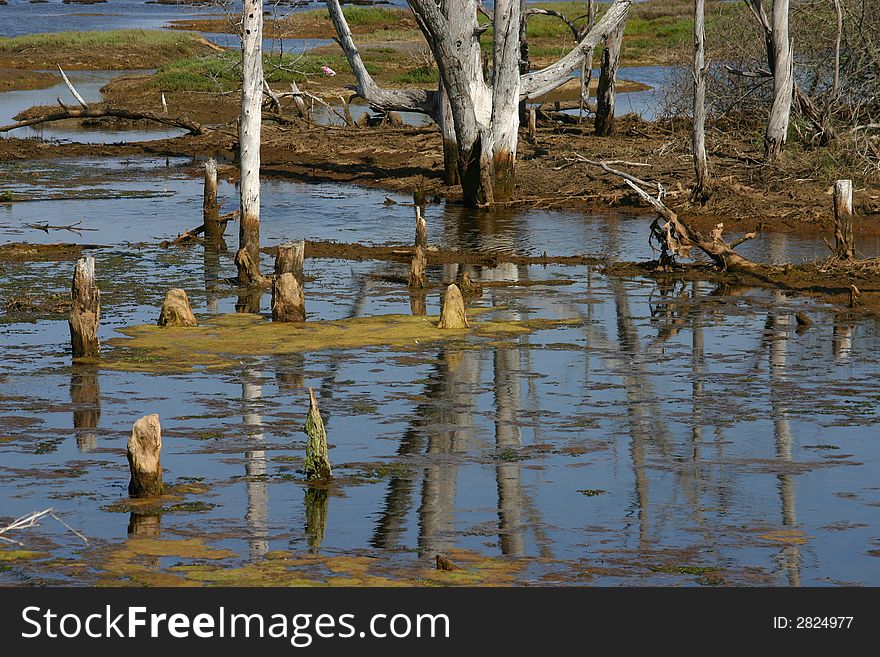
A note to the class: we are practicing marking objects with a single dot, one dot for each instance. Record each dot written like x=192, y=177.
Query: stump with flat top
x=289, y=259
x=452, y=314
x=317, y=466
x=176, y=310
x=144, y=449
x=288, y=300
x=843, y=220
x=85, y=311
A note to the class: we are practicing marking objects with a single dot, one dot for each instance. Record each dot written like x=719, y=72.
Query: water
x=670, y=431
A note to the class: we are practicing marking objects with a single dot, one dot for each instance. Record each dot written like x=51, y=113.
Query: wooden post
x=421, y=229
x=289, y=259
x=417, y=277
x=144, y=450
x=317, y=466
x=176, y=310
x=85, y=312
x=210, y=208
x=533, y=125
x=249, y=143
x=288, y=300
x=843, y=219
x=452, y=314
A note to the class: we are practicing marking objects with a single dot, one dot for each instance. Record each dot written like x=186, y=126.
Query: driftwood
x=116, y=112
x=676, y=237
x=144, y=450
x=317, y=465
x=452, y=313
x=85, y=313
x=188, y=236
x=73, y=90
x=176, y=310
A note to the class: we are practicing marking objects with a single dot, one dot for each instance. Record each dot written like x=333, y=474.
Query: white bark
x=698, y=137
x=783, y=83
x=249, y=130
x=505, y=94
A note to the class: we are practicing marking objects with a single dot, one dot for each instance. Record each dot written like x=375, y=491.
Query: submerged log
x=288, y=300
x=144, y=450
x=843, y=220
x=116, y=112
x=176, y=310
x=210, y=208
x=418, y=279
x=317, y=466
x=452, y=313
x=85, y=312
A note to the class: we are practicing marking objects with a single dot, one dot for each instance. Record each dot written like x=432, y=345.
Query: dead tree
x=93, y=112
x=483, y=114
x=248, y=257
x=783, y=83
x=144, y=451
x=605, y=95
x=85, y=312
x=843, y=220
x=698, y=134
x=587, y=66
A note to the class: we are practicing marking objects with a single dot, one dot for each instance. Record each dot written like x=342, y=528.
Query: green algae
x=223, y=340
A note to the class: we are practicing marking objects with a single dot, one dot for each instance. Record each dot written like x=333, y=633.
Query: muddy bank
x=790, y=197
x=11, y=78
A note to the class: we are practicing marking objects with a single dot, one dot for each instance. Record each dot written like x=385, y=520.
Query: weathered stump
x=317, y=466
x=289, y=259
x=843, y=220
x=248, y=269
x=144, y=449
x=418, y=279
x=421, y=229
x=210, y=208
x=452, y=314
x=288, y=300
x=85, y=312
x=176, y=310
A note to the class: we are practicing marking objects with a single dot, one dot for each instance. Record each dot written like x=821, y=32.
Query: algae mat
x=223, y=339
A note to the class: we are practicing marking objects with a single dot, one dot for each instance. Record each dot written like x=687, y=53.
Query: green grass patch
x=98, y=39
x=222, y=71
x=418, y=75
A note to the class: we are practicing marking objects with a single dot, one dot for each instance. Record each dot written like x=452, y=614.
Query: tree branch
x=98, y=112
x=420, y=101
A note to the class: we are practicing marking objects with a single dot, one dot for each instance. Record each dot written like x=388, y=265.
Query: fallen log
x=115, y=112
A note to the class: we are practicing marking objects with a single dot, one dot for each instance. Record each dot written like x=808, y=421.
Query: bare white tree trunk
x=701, y=164
x=249, y=138
x=505, y=96
x=587, y=66
x=783, y=83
